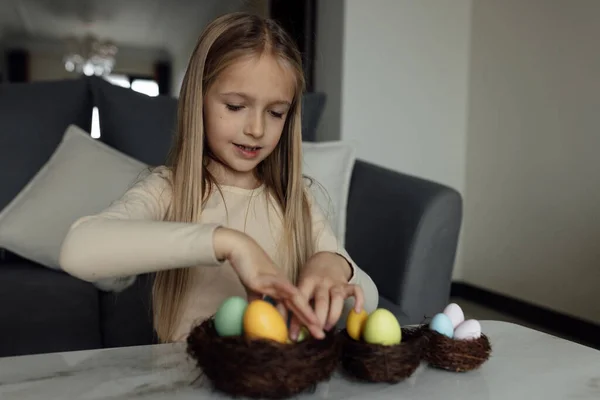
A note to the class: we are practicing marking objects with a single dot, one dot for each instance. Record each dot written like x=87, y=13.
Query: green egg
x=302, y=335
x=229, y=318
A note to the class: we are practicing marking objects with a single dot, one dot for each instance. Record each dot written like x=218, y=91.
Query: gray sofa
x=401, y=229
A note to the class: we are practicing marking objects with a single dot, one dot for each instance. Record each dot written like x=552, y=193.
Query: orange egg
x=355, y=323
x=263, y=321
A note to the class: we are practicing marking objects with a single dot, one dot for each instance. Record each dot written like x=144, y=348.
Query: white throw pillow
x=82, y=177
x=330, y=164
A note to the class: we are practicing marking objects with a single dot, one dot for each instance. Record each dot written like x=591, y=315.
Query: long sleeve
x=130, y=237
x=326, y=240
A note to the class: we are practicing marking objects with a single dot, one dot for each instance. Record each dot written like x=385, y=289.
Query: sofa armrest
x=403, y=231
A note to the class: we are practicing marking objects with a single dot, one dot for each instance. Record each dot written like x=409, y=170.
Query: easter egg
x=263, y=321
x=355, y=323
x=382, y=327
x=470, y=329
x=302, y=335
x=229, y=317
x=442, y=324
x=455, y=313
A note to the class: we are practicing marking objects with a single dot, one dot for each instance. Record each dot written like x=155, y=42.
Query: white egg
x=455, y=313
x=470, y=329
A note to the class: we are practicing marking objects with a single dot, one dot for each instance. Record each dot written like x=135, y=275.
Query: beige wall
x=499, y=99
x=532, y=219
x=404, y=88
x=46, y=55
x=46, y=59
x=48, y=65
x=395, y=74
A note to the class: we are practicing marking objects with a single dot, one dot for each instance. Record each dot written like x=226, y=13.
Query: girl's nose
x=255, y=125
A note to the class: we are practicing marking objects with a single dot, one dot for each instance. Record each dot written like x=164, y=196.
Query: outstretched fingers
x=284, y=291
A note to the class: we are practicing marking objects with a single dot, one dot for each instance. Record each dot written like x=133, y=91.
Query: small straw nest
x=456, y=355
x=261, y=368
x=377, y=363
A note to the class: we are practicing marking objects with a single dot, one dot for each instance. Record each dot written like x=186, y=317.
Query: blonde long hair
x=223, y=41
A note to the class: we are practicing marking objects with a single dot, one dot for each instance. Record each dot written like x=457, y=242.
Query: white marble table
x=525, y=364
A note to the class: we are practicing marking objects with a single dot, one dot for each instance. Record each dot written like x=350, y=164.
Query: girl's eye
x=232, y=107
x=277, y=115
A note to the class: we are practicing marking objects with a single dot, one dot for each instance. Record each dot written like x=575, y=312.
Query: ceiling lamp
x=90, y=56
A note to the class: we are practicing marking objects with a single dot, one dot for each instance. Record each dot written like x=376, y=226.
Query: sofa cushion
x=126, y=317
x=33, y=120
x=133, y=123
x=82, y=177
x=330, y=165
x=45, y=311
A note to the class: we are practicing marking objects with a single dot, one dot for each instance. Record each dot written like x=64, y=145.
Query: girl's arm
x=326, y=241
x=131, y=238
x=331, y=278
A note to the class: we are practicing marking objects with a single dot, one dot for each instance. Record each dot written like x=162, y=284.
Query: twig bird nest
x=261, y=368
x=456, y=355
x=383, y=363
x=455, y=344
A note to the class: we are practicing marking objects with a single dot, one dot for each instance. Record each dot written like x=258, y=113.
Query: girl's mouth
x=247, y=148
x=247, y=151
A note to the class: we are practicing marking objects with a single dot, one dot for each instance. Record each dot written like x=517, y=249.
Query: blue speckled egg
x=442, y=324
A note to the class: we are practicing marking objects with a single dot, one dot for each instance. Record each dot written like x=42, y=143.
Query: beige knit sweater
x=131, y=237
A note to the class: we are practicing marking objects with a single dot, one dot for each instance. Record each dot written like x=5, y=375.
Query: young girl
x=230, y=214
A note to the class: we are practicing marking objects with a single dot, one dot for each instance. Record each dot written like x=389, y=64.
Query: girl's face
x=244, y=114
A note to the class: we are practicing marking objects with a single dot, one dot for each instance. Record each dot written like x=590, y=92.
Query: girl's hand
x=260, y=275
x=324, y=279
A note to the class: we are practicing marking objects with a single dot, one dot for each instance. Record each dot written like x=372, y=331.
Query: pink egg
x=455, y=313
x=470, y=329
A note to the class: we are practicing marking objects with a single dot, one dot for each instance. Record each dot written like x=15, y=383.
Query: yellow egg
x=263, y=321
x=382, y=328
x=355, y=323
